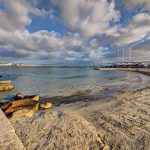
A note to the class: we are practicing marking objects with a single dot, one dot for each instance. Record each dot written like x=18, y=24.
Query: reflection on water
x=63, y=81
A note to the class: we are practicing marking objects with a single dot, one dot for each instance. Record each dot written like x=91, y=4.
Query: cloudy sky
x=72, y=31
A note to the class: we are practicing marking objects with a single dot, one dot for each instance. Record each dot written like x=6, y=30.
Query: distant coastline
x=36, y=65
x=24, y=65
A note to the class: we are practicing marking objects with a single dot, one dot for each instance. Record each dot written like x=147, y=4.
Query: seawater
x=64, y=81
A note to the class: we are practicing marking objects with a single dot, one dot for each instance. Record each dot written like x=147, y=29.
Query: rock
x=3, y=102
x=5, y=82
x=18, y=96
x=5, y=105
x=20, y=104
x=3, y=75
x=36, y=98
x=36, y=107
x=57, y=131
x=23, y=102
x=46, y=106
x=106, y=147
x=6, y=88
x=23, y=113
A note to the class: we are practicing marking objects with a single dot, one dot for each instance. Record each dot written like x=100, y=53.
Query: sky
x=73, y=31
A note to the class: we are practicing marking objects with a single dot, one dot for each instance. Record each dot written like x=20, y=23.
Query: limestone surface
x=8, y=138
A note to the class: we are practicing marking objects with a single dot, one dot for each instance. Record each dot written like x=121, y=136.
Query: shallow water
x=64, y=81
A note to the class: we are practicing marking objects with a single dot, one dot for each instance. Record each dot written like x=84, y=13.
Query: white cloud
x=14, y=15
x=17, y=40
x=135, y=30
x=133, y=3
x=84, y=17
x=42, y=43
x=87, y=20
x=90, y=17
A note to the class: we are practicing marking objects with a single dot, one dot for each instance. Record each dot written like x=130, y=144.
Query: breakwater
x=144, y=71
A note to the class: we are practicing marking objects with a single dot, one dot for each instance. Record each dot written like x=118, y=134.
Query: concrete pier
x=8, y=138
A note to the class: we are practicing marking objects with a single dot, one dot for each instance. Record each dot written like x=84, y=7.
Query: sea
x=48, y=81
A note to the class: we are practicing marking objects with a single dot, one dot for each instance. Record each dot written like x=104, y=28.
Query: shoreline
x=145, y=71
x=119, y=124
x=81, y=122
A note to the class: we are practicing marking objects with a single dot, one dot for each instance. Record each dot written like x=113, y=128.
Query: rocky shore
x=119, y=124
x=19, y=105
x=81, y=121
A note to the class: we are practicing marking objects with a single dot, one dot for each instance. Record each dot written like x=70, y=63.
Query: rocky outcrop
x=23, y=106
x=30, y=103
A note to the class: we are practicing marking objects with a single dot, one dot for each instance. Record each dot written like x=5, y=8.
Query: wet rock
x=5, y=107
x=46, y=106
x=21, y=104
x=6, y=88
x=5, y=82
x=23, y=113
x=5, y=104
x=3, y=75
x=18, y=96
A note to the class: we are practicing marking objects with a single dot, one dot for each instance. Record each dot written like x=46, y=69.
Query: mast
x=130, y=55
x=118, y=56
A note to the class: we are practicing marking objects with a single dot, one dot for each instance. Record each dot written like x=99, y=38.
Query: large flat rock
x=120, y=124
x=8, y=138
